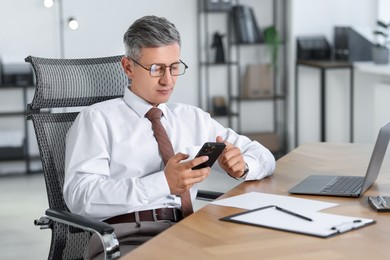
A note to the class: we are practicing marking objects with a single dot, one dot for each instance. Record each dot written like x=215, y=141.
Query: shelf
x=227, y=115
x=233, y=81
x=17, y=153
x=12, y=153
x=238, y=44
x=281, y=97
x=21, y=113
x=35, y=157
x=215, y=11
x=219, y=64
x=15, y=86
x=245, y=44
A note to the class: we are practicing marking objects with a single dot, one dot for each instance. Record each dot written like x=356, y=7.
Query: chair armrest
x=208, y=195
x=79, y=221
x=102, y=229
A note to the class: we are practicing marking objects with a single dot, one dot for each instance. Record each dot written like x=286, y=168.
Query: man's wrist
x=246, y=170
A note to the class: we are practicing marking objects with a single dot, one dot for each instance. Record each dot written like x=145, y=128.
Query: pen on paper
x=343, y=227
x=293, y=213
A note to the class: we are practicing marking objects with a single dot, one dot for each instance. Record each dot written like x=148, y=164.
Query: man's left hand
x=231, y=159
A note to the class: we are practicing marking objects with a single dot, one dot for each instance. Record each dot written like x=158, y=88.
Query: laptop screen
x=377, y=156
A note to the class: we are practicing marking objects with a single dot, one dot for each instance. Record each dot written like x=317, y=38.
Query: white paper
x=322, y=224
x=253, y=200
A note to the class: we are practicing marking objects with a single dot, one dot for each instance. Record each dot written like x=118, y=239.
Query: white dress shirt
x=113, y=165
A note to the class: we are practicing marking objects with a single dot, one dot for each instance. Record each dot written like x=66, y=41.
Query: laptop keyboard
x=344, y=184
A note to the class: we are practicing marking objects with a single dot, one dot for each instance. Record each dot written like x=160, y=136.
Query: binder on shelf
x=313, y=48
x=350, y=45
x=245, y=25
x=303, y=222
x=217, y=5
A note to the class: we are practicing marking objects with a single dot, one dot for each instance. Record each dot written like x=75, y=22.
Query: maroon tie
x=166, y=151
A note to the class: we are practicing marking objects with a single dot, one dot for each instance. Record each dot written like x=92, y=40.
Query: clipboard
x=311, y=223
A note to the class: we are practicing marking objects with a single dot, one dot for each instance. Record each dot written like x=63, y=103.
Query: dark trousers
x=129, y=235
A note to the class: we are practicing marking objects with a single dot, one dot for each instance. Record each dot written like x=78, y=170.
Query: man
x=114, y=167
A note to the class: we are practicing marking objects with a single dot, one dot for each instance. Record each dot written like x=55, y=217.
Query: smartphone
x=212, y=150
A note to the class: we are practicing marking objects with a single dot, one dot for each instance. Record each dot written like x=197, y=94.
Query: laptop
x=347, y=186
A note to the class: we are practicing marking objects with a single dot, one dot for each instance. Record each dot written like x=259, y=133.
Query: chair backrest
x=76, y=82
x=66, y=83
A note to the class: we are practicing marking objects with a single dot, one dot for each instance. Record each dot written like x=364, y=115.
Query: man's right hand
x=180, y=176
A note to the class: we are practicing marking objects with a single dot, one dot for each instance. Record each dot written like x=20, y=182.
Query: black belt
x=170, y=214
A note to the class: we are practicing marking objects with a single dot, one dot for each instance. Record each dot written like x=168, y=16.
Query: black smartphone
x=213, y=150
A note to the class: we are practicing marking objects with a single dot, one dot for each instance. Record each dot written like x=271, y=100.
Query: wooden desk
x=203, y=236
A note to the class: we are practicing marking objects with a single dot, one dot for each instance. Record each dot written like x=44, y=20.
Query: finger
x=227, y=155
x=199, y=179
x=192, y=177
x=196, y=161
x=233, y=163
x=179, y=157
x=229, y=146
x=219, y=139
x=237, y=167
x=199, y=175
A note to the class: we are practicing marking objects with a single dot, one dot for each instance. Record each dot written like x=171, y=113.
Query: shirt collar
x=139, y=105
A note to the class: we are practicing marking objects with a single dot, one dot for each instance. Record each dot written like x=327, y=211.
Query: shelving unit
x=226, y=79
x=11, y=116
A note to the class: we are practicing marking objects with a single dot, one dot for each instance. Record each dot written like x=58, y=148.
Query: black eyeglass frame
x=162, y=65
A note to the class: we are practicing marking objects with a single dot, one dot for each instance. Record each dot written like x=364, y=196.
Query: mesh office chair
x=64, y=83
x=69, y=83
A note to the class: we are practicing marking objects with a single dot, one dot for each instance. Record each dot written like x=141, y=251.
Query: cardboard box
x=219, y=106
x=269, y=140
x=258, y=81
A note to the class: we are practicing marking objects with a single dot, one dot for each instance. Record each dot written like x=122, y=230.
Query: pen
x=343, y=227
x=293, y=213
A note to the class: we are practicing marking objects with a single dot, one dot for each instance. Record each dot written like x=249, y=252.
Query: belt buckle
x=174, y=215
x=154, y=215
x=137, y=218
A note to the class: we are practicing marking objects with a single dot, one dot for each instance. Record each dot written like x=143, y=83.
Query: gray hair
x=149, y=32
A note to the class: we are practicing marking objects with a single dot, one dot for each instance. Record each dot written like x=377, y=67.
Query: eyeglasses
x=158, y=69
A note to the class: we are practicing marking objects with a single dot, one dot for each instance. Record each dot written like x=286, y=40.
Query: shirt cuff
x=155, y=186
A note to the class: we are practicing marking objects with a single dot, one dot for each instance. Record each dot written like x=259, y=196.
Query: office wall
x=383, y=10
x=27, y=27
x=103, y=23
